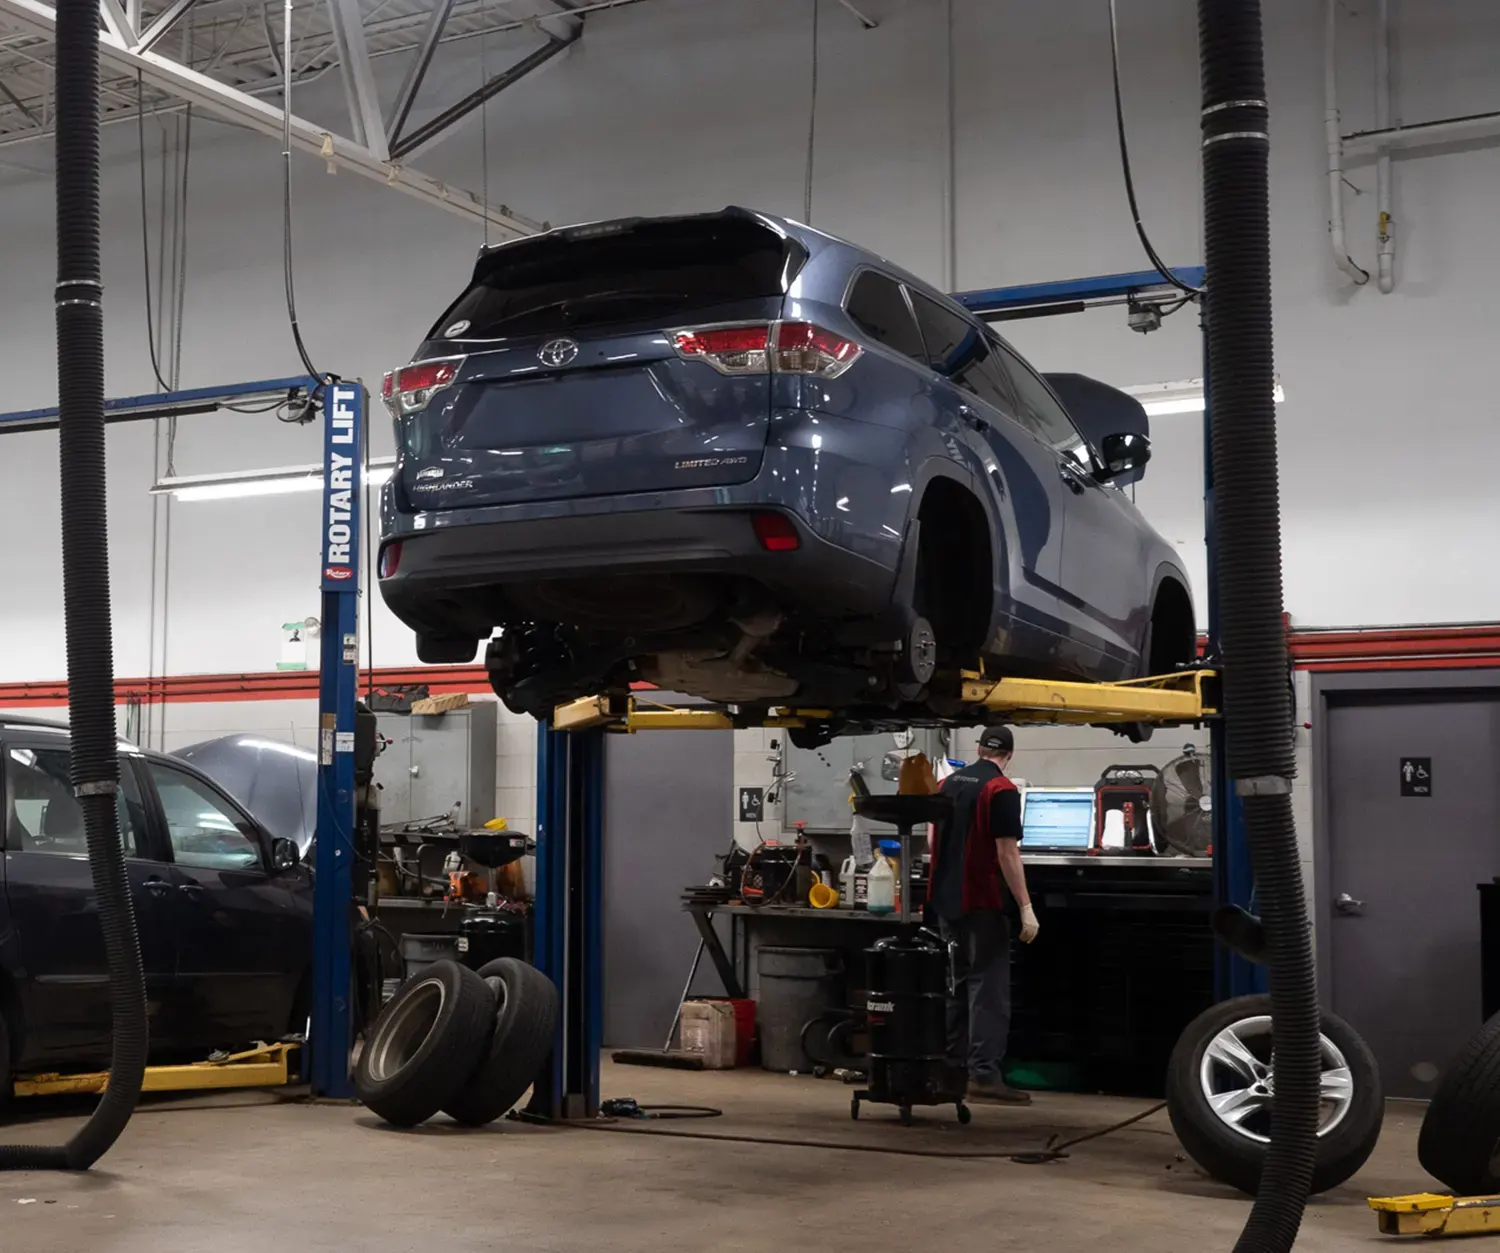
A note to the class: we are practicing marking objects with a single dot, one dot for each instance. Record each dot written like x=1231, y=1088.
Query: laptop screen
x=1057, y=818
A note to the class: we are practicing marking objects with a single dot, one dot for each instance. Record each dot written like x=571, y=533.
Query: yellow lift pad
x=1164, y=699
x=262, y=1067
x=1432, y=1214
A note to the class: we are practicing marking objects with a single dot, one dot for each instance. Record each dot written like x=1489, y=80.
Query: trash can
x=796, y=985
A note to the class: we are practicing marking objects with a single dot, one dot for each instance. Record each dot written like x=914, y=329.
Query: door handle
x=191, y=889
x=1346, y=904
x=1070, y=476
x=157, y=887
x=970, y=418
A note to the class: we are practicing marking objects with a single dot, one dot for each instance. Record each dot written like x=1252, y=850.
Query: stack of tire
x=457, y=1041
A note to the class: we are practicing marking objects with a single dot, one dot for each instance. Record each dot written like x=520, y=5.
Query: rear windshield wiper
x=583, y=304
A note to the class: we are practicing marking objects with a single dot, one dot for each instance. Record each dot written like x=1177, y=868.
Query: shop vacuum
x=909, y=977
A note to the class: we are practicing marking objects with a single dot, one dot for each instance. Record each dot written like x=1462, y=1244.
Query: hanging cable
x=140, y=130
x=286, y=194
x=484, y=131
x=1135, y=211
x=812, y=121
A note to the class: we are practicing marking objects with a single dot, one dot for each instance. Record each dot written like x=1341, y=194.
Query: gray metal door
x=1402, y=910
x=668, y=806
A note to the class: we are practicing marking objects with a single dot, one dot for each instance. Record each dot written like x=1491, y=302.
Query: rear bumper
x=453, y=580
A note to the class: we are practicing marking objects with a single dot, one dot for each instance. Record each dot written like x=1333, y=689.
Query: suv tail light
x=729, y=349
x=390, y=559
x=776, y=532
x=763, y=348
x=802, y=348
x=413, y=386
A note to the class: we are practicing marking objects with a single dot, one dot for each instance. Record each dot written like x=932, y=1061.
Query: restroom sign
x=1416, y=776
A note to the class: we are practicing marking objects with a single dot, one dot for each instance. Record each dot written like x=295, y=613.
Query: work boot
x=996, y=1092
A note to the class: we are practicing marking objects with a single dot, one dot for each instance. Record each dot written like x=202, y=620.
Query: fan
x=1182, y=807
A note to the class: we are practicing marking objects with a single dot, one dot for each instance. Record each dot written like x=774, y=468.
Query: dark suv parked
x=739, y=458
x=224, y=912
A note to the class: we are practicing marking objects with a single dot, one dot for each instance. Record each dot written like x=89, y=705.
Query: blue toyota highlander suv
x=735, y=457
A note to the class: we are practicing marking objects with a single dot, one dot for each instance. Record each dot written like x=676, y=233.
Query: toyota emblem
x=557, y=352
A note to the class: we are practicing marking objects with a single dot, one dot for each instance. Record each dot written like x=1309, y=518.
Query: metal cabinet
x=438, y=764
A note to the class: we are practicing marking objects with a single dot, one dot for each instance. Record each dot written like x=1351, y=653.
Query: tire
x=1460, y=1140
x=1234, y=1154
x=527, y=1007
x=426, y=1044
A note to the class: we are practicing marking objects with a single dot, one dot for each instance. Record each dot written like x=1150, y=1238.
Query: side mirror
x=1123, y=453
x=285, y=855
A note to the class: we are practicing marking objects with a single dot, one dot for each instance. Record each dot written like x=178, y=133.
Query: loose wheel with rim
x=1222, y=1079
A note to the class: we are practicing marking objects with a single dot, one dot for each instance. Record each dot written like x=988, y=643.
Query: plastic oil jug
x=882, y=889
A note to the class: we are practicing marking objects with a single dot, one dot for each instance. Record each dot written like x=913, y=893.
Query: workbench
x=1124, y=960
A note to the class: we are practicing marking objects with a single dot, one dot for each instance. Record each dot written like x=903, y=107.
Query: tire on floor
x=526, y=1013
x=426, y=1043
x=1227, y=1051
x=1460, y=1140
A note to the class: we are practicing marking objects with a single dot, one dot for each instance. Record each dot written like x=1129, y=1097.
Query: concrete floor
x=244, y=1172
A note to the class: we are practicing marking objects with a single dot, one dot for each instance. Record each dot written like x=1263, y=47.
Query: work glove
x=1029, y=925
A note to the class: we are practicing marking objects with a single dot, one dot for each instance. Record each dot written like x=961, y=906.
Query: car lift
x=570, y=746
x=570, y=753
x=344, y=407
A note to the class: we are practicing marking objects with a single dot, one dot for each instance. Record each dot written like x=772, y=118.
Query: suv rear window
x=622, y=272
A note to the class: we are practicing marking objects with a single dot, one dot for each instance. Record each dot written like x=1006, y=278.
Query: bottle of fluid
x=846, y=883
x=882, y=889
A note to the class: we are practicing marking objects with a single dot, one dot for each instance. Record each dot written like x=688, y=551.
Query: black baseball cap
x=997, y=739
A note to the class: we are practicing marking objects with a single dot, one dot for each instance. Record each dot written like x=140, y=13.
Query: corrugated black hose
x=1247, y=516
x=85, y=550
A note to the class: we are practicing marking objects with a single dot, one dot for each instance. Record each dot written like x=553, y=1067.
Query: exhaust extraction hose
x=95, y=769
x=1252, y=638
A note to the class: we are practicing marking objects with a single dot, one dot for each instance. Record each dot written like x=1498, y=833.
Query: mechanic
x=977, y=845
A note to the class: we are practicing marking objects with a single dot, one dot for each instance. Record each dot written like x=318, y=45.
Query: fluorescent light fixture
x=1184, y=396
x=279, y=481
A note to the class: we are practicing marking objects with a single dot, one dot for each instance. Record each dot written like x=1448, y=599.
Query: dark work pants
x=979, y=1006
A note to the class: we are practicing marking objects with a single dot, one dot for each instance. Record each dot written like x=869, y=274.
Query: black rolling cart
x=909, y=977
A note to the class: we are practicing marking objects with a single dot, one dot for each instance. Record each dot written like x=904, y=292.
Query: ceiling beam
x=430, y=132
x=162, y=24
x=358, y=76
x=417, y=70
x=118, y=21
x=236, y=106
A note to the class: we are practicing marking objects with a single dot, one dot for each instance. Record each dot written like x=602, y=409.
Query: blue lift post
x=569, y=920
x=338, y=689
x=570, y=771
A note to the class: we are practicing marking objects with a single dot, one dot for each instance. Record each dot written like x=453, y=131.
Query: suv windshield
x=631, y=270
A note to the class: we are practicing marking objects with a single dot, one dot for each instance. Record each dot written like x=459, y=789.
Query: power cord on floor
x=631, y=1124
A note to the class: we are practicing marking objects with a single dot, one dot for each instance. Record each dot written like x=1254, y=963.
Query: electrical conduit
x=1257, y=702
x=1386, y=260
x=85, y=549
x=1334, y=136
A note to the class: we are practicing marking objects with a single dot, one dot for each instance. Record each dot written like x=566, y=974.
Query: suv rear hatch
x=563, y=371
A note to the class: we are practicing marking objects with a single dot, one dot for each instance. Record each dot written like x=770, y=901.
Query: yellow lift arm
x=1431, y=1214
x=1163, y=699
x=261, y=1067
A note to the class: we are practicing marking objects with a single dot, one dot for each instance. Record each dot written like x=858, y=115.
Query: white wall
x=688, y=104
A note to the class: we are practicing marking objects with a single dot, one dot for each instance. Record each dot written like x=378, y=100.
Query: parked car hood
x=276, y=781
